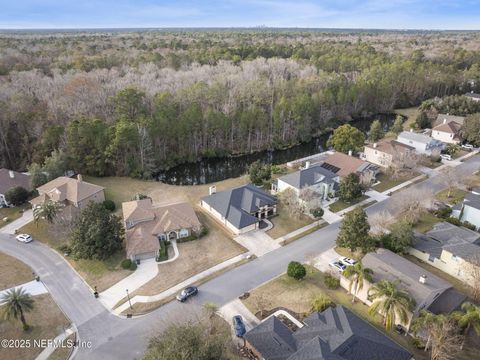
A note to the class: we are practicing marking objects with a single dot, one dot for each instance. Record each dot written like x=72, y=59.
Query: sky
x=370, y=14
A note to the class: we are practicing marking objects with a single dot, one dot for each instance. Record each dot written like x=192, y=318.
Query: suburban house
x=240, y=209
x=314, y=177
x=343, y=165
x=472, y=96
x=146, y=225
x=73, y=193
x=446, y=118
x=423, y=144
x=448, y=131
x=469, y=210
x=430, y=292
x=452, y=249
x=385, y=153
x=336, y=333
x=10, y=179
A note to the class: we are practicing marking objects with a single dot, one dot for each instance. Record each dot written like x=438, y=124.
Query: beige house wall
x=225, y=222
x=97, y=197
x=377, y=157
x=444, y=137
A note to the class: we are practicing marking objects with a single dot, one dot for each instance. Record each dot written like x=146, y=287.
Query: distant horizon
x=434, y=15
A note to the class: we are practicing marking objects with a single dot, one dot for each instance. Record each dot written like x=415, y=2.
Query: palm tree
x=390, y=302
x=469, y=318
x=426, y=322
x=357, y=274
x=15, y=303
x=48, y=210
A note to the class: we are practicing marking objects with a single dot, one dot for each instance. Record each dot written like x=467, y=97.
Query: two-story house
x=423, y=144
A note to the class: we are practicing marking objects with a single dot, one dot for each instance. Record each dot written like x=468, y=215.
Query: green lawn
x=426, y=222
x=11, y=213
x=456, y=196
x=388, y=182
x=411, y=115
x=305, y=233
x=102, y=274
x=340, y=205
x=284, y=224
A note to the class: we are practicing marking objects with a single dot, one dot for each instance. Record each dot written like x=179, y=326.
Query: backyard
x=411, y=115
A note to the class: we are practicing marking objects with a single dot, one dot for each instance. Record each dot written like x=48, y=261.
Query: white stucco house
x=423, y=144
x=469, y=210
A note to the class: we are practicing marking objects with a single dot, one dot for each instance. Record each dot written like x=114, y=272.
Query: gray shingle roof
x=310, y=176
x=237, y=204
x=419, y=138
x=10, y=179
x=334, y=334
x=446, y=118
x=472, y=200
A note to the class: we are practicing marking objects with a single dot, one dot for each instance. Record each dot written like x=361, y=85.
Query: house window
x=454, y=258
x=162, y=237
x=183, y=233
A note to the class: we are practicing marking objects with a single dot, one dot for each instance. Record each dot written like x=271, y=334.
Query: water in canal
x=209, y=170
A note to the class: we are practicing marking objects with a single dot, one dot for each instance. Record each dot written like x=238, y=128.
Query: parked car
x=467, y=146
x=347, y=261
x=239, y=326
x=337, y=265
x=446, y=157
x=186, y=293
x=25, y=238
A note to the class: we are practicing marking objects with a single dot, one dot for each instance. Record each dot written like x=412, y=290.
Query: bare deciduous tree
x=288, y=198
x=472, y=272
x=411, y=203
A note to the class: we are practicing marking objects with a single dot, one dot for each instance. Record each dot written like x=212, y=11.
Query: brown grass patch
x=13, y=272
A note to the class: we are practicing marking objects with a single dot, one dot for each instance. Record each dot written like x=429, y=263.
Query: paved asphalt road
x=115, y=338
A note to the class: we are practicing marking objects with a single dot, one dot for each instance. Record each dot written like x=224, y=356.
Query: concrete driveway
x=257, y=242
x=323, y=259
x=17, y=224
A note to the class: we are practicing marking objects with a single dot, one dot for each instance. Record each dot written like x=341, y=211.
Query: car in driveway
x=238, y=326
x=446, y=157
x=467, y=147
x=25, y=238
x=347, y=261
x=186, y=293
x=337, y=265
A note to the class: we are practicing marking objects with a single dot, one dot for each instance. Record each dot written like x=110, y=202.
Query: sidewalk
x=175, y=289
x=33, y=288
x=145, y=272
x=45, y=354
x=17, y=224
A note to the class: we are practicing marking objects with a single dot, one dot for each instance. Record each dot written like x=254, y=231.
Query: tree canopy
x=346, y=138
x=354, y=231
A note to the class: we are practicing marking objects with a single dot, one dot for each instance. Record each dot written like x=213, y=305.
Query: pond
x=210, y=170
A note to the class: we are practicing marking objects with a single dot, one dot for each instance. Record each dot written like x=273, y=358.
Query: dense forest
x=126, y=103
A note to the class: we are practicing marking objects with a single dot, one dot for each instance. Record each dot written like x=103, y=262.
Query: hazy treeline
x=129, y=103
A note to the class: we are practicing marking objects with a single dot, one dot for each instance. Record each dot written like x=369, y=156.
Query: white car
x=446, y=157
x=347, y=261
x=337, y=265
x=25, y=238
x=467, y=146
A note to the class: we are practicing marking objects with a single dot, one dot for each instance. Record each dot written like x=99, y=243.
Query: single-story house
x=430, y=292
x=469, y=209
x=343, y=165
x=423, y=144
x=385, y=153
x=336, y=333
x=315, y=177
x=240, y=209
x=448, y=131
x=450, y=248
x=10, y=179
x=146, y=225
x=73, y=193
x=472, y=96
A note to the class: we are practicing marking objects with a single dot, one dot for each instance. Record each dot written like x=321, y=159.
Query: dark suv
x=238, y=325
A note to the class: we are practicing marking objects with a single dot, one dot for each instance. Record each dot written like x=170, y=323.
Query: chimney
x=423, y=279
x=349, y=152
x=212, y=190
x=411, y=129
x=11, y=173
x=444, y=121
x=79, y=178
x=374, y=145
x=307, y=164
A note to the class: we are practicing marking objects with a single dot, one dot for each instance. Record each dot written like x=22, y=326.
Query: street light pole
x=128, y=296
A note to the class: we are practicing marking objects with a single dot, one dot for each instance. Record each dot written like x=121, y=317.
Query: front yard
x=425, y=222
x=387, y=182
x=101, y=274
x=340, y=205
x=195, y=257
x=46, y=321
x=297, y=296
x=456, y=196
x=13, y=272
x=10, y=214
x=284, y=224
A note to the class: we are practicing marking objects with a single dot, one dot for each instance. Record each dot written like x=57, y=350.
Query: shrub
x=317, y=213
x=454, y=221
x=17, y=195
x=163, y=252
x=133, y=266
x=331, y=282
x=321, y=303
x=296, y=270
x=203, y=232
x=187, y=238
x=65, y=249
x=444, y=212
x=109, y=205
x=126, y=264
x=469, y=225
